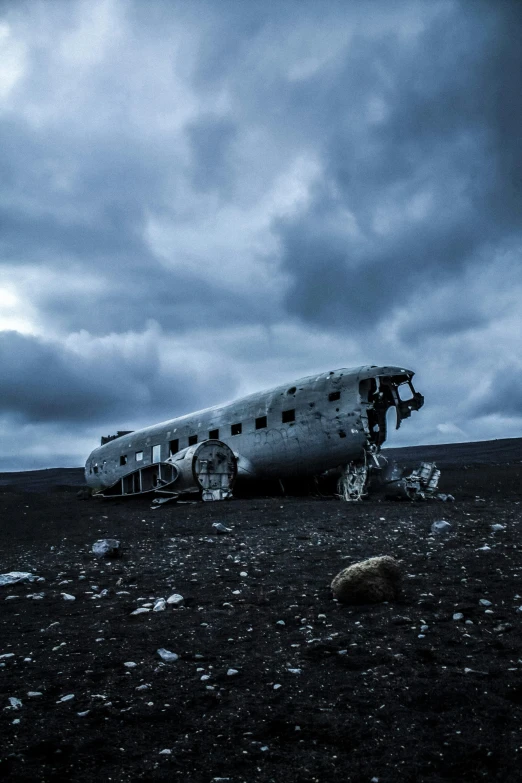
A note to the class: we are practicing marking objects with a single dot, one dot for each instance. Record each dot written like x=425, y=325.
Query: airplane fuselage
x=297, y=429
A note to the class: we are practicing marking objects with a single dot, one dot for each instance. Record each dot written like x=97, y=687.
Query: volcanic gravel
x=274, y=680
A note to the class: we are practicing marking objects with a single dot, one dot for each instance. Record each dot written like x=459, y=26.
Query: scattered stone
x=175, y=600
x=219, y=527
x=485, y=602
x=165, y=752
x=130, y=664
x=370, y=581
x=32, y=694
x=6, y=655
x=458, y=616
x=277, y=686
x=441, y=526
x=166, y=655
x=496, y=528
x=106, y=547
x=294, y=671
x=232, y=672
x=141, y=610
x=69, y=697
x=160, y=605
x=69, y=597
x=13, y=577
x=15, y=703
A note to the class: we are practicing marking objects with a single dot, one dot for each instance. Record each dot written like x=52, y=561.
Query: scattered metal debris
x=399, y=483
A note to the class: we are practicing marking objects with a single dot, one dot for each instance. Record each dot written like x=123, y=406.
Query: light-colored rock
x=175, y=600
x=166, y=655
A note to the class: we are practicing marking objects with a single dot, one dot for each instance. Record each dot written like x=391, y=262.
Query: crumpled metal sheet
x=404, y=484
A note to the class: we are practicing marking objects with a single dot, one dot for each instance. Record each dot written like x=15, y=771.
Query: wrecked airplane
x=333, y=422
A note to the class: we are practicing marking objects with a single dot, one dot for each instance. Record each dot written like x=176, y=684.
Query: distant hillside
x=492, y=452
x=484, y=452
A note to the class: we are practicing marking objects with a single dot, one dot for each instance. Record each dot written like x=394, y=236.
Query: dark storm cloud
x=48, y=382
x=450, y=130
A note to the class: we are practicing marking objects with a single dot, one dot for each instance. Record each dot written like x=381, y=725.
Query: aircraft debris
x=334, y=421
x=399, y=483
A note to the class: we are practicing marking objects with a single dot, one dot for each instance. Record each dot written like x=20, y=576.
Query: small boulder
x=441, y=526
x=370, y=581
x=107, y=547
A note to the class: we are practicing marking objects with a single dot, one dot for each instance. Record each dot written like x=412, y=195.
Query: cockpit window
x=405, y=392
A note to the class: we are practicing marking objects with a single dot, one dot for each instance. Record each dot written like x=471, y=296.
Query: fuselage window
x=213, y=434
x=288, y=416
x=336, y=395
x=193, y=439
x=261, y=423
x=236, y=429
x=156, y=453
x=139, y=456
x=174, y=447
x=123, y=459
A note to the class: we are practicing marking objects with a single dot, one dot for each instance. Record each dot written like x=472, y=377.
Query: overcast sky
x=203, y=199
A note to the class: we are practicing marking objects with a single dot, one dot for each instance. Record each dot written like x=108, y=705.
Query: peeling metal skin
x=332, y=420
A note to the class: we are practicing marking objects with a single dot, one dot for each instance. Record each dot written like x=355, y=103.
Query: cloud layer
x=199, y=200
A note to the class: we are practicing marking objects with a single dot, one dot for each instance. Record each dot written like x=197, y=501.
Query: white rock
x=6, y=655
x=280, y=622
x=130, y=664
x=496, y=528
x=166, y=655
x=294, y=671
x=232, y=672
x=160, y=605
x=69, y=597
x=205, y=677
x=243, y=573
x=277, y=686
x=458, y=616
x=69, y=697
x=441, y=526
x=15, y=703
x=34, y=693
x=219, y=527
x=175, y=600
x=141, y=610
x=165, y=752
x=19, y=576
x=485, y=602
x=83, y=714
x=484, y=548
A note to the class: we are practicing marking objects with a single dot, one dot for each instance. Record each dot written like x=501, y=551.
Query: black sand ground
x=392, y=692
